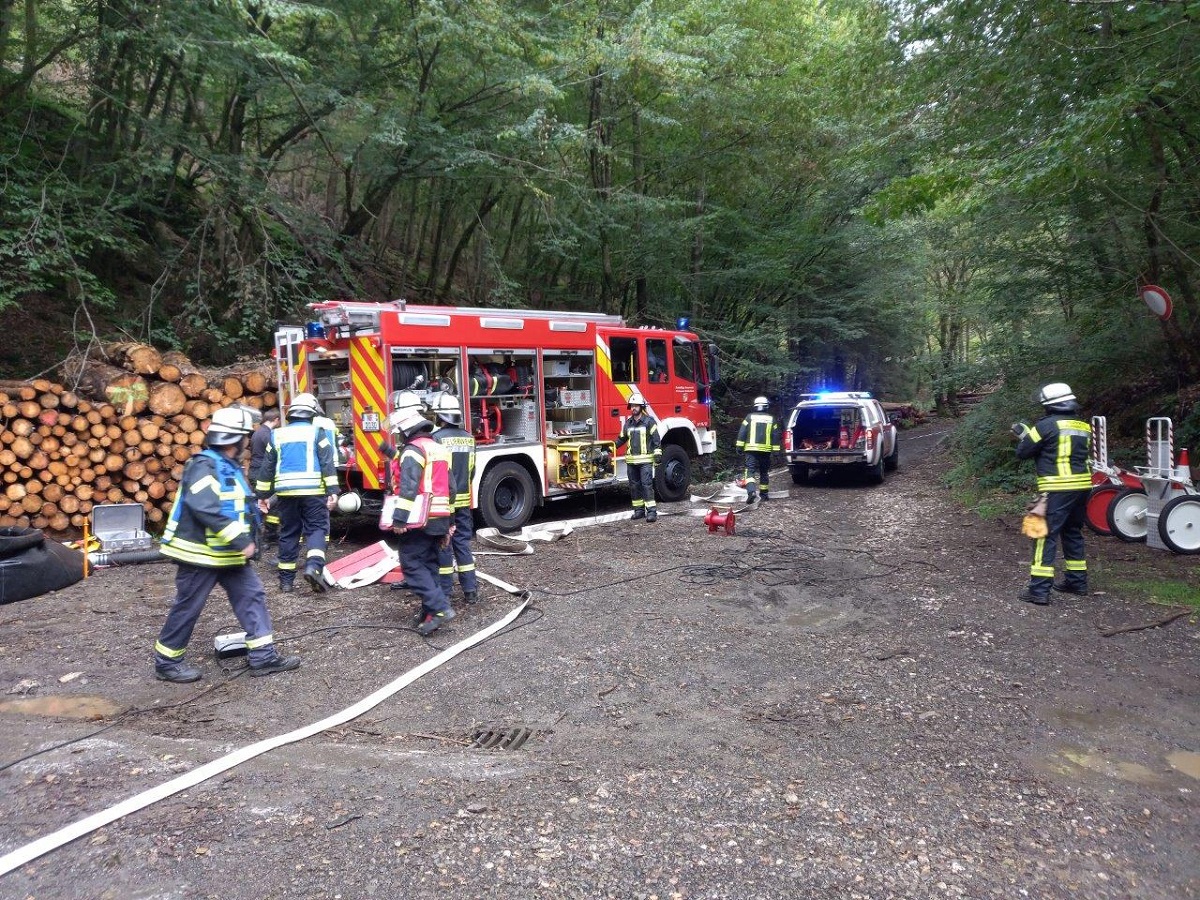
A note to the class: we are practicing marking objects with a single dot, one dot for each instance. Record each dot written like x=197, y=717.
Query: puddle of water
x=1185, y=761
x=1110, y=767
x=63, y=707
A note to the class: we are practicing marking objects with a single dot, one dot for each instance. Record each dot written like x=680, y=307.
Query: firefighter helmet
x=402, y=400
x=303, y=406
x=447, y=409
x=408, y=422
x=761, y=403
x=1058, y=397
x=636, y=399
x=229, y=425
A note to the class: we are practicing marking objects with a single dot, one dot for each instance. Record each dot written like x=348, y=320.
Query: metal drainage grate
x=512, y=738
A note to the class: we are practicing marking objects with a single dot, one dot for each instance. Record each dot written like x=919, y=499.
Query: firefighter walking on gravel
x=211, y=536
x=757, y=438
x=299, y=469
x=1059, y=443
x=640, y=430
x=423, y=517
x=461, y=447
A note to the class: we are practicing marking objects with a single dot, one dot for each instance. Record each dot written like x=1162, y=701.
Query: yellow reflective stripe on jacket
x=201, y=554
x=1067, y=482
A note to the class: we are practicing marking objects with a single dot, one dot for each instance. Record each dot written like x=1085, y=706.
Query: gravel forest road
x=842, y=700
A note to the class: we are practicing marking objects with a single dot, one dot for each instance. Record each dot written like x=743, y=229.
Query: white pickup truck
x=837, y=430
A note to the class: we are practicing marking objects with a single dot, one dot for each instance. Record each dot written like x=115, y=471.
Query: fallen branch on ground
x=1161, y=622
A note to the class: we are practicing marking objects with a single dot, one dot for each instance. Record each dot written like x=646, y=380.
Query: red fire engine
x=546, y=394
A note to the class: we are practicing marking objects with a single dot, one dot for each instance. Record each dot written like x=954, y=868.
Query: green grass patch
x=1167, y=592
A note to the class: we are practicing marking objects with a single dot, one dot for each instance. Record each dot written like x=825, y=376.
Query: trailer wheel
x=1127, y=515
x=507, y=496
x=1179, y=524
x=673, y=475
x=1099, y=500
x=800, y=473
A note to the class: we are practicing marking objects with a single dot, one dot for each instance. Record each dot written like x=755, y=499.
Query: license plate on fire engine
x=829, y=459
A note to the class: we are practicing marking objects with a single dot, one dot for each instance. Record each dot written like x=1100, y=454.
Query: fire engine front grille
x=501, y=738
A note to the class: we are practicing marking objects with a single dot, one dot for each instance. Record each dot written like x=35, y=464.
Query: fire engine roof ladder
x=359, y=310
x=287, y=354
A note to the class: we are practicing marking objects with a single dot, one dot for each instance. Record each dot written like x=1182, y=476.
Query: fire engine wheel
x=507, y=496
x=1098, y=503
x=1179, y=524
x=800, y=473
x=1127, y=515
x=673, y=474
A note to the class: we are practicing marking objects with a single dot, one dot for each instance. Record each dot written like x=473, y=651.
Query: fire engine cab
x=545, y=393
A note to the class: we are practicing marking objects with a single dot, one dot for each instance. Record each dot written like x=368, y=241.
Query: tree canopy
x=913, y=197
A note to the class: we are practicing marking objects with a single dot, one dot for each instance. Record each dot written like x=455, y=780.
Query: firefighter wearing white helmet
x=300, y=469
x=1060, y=445
x=422, y=515
x=210, y=534
x=640, y=431
x=459, y=443
x=757, y=438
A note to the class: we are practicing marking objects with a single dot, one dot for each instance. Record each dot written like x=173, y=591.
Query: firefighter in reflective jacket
x=211, y=536
x=299, y=469
x=758, y=436
x=423, y=517
x=461, y=447
x=640, y=429
x=1060, y=444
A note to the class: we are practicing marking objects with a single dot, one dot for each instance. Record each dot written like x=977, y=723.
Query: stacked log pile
x=118, y=431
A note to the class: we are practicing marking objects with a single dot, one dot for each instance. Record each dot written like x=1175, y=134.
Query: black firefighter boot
x=652, y=514
x=287, y=584
x=315, y=577
x=639, y=513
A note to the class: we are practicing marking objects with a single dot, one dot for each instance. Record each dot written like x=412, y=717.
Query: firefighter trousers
x=193, y=584
x=758, y=466
x=641, y=484
x=458, y=555
x=1065, y=512
x=419, y=563
x=307, y=517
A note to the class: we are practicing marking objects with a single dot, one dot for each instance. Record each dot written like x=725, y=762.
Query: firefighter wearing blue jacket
x=461, y=447
x=211, y=536
x=1060, y=444
x=299, y=469
x=758, y=436
x=640, y=430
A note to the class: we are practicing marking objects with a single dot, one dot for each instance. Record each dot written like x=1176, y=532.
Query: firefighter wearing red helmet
x=1060, y=444
x=640, y=431
x=210, y=535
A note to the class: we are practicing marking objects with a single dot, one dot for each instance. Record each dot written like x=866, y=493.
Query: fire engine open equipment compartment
x=574, y=458
x=427, y=372
x=503, y=396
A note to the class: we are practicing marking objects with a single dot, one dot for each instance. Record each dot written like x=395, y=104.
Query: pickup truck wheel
x=673, y=474
x=800, y=473
x=875, y=472
x=891, y=462
x=507, y=496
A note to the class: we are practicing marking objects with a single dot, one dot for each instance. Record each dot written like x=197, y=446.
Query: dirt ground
x=844, y=699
